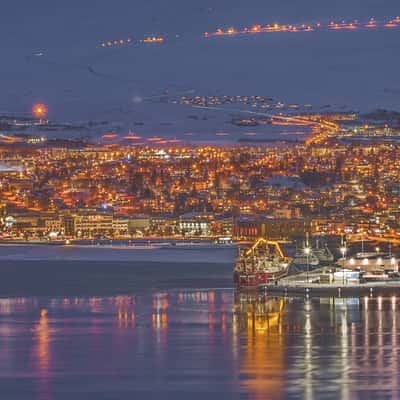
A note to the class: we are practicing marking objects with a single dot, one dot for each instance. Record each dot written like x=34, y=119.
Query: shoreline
x=138, y=244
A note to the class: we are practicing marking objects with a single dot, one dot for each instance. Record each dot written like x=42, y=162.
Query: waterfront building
x=120, y=226
x=91, y=223
x=195, y=224
x=376, y=264
x=68, y=224
x=251, y=228
x=139, y=225
x=54, y=225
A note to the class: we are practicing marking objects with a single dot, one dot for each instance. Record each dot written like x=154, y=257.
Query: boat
x=258, y=311
x=367, y=254
x=307, y=256
x=192, y=244
x=162, y=244
x=301, y=259
x=261, y=264
x=323, y=253
x=224, y=241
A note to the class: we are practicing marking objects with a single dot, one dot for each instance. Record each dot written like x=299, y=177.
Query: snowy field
x=126, y=86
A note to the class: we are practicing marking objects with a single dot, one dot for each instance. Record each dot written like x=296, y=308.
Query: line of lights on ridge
x=372, y=23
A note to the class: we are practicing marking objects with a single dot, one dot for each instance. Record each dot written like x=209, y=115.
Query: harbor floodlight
x=307, y=251
x=343, y=250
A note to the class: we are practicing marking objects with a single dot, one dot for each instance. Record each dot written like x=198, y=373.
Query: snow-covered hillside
x=80, y=80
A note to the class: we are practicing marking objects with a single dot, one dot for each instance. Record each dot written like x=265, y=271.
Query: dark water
x=180, y=332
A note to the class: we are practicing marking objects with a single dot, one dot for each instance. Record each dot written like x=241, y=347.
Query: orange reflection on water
x=263, y=363
x=210, y=323
x=126, y=318
x=159, y=321
x=159, y=315
x=223, y=324
x=126, y=312
x=211, y=297
x=42, y=354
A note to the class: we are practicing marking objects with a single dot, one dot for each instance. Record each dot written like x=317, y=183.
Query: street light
x=393, y=263
x=39, y=111
x=307, y=251
x=343, y=250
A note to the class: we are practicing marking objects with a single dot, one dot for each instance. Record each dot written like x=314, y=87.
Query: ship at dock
x=312, y=257
x=261, y=264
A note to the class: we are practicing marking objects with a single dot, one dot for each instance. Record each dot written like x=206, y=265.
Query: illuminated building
x=273, y=228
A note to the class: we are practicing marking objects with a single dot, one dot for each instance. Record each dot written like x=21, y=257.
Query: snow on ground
x=81, y=81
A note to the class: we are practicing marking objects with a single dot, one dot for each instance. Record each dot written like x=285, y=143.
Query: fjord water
x=177, y=330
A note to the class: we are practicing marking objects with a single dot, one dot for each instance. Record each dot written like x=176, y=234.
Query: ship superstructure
x=262, y=263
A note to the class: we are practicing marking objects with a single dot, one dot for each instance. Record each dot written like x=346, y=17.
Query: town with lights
x=340, y=187
x=200, y=200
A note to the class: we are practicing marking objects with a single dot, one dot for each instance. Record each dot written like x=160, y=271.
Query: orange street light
x=39, y=111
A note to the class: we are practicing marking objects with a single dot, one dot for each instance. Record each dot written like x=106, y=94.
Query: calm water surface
x=178, y=339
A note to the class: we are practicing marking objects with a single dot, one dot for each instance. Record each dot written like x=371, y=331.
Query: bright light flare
x=39, y=111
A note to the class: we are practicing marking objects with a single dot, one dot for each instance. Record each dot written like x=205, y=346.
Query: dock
x=306, y=285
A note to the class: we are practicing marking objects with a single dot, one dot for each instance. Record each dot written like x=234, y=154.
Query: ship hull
x=254, y=281
x=264, y=263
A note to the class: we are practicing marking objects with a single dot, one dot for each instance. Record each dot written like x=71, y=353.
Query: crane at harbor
x=263, y=262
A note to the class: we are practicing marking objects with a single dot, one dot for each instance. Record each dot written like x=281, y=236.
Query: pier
x=311, y=286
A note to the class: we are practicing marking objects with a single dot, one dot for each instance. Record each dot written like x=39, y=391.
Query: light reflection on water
x=204, y=343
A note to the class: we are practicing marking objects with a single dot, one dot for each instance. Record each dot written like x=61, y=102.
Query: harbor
x=298, y=285
x=314, y=271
